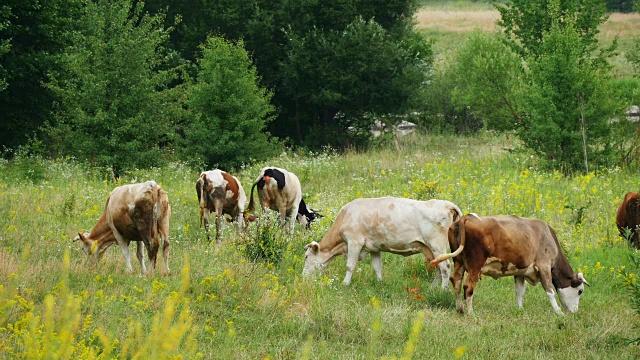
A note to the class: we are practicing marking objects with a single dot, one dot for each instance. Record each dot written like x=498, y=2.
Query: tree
x=486, y=76
x=358, y=71
x=33, y=33
x=526, y=22
x=274, y=31
x=568, y=104
x=229, y=109
x=111, y=92
x=568, y=99
x=5, y=45
x=625, y=6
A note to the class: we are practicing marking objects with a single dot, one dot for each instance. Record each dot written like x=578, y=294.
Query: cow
x=135, y=212
x=628, y=218
x=395, y=225
x=498, y=246
x=306, y=215
x=221, y=193
x=280, y=190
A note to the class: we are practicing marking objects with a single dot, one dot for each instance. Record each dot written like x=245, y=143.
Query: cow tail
x=203, y=202
x=445, y=257
x=457, y=213
x=251, y=203
x=156, y=205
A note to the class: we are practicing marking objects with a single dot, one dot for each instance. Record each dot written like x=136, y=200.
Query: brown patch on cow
x=628, y=217
x=232, y=185
x=391, y=206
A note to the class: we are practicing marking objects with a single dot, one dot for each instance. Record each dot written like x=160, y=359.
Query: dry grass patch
x=456, y=21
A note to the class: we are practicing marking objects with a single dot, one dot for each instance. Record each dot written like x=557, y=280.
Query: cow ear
x=82, y=238
x=314, y=246
x=580, y=276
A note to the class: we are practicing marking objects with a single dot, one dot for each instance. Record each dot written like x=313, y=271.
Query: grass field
x=447, y=23
x=218, y=304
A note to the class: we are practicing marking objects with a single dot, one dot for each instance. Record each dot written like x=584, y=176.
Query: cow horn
x=581, y=277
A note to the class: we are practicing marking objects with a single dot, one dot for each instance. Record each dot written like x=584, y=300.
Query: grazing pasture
x=218, y=304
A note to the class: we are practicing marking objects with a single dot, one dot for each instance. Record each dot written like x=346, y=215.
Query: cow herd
x=496, y=246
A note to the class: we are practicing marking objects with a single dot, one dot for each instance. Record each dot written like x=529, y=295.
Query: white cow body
x=396, y=225
x=282, y=195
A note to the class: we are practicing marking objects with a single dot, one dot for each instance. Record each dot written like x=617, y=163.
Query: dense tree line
x=126, y=83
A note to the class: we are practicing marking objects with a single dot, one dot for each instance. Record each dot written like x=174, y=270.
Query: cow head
x=570, y=295
x=313, y=259
x=88, y=245
x=308, y=218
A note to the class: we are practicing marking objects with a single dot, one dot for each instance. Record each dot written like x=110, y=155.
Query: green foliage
x=318, y=58
x=568, y=105
x=624, y=6
x=5, y=45
x=361, y=69
x=526, y=23
x=633, y=56
x=266, y=242
x=33, y=34
x=110, y=91
x=229, y=109
x=633, y=286
x=486, y=77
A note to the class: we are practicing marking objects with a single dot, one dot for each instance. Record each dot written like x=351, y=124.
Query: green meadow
x=219, y=304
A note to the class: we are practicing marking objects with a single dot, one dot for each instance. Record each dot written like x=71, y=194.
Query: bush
x=267, y=243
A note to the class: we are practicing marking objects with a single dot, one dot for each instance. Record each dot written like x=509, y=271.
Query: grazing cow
x=307, y=216
x=221, y=193
x=136, y=212
x=498, y=246
x=628, y=217
x=396, y=225
x=280, y=190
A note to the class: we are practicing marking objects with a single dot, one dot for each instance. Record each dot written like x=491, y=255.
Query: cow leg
x=456, y=281
x=124, y=246
x=470, y=284
x=443, y=271
x=376, y=262
x=353, y=252
x=520, y=287
x=293, y=217
x=219, y=220
x=240, y=220
x=163, y=230
x=205, y=216
x=140, y=255
x=545, y=279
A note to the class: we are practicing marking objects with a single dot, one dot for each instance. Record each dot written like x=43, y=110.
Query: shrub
x=267, y=243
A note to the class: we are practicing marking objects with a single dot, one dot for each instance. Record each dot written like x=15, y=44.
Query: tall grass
x=219, y=303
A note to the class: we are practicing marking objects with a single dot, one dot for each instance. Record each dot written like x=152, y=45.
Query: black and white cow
x=280, y=190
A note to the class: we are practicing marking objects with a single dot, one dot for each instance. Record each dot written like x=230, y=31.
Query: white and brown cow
x=396, y=225
x=280, y=190
x=135, y=212
x=628, y=218
x=498, y=246
x=221, y=193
